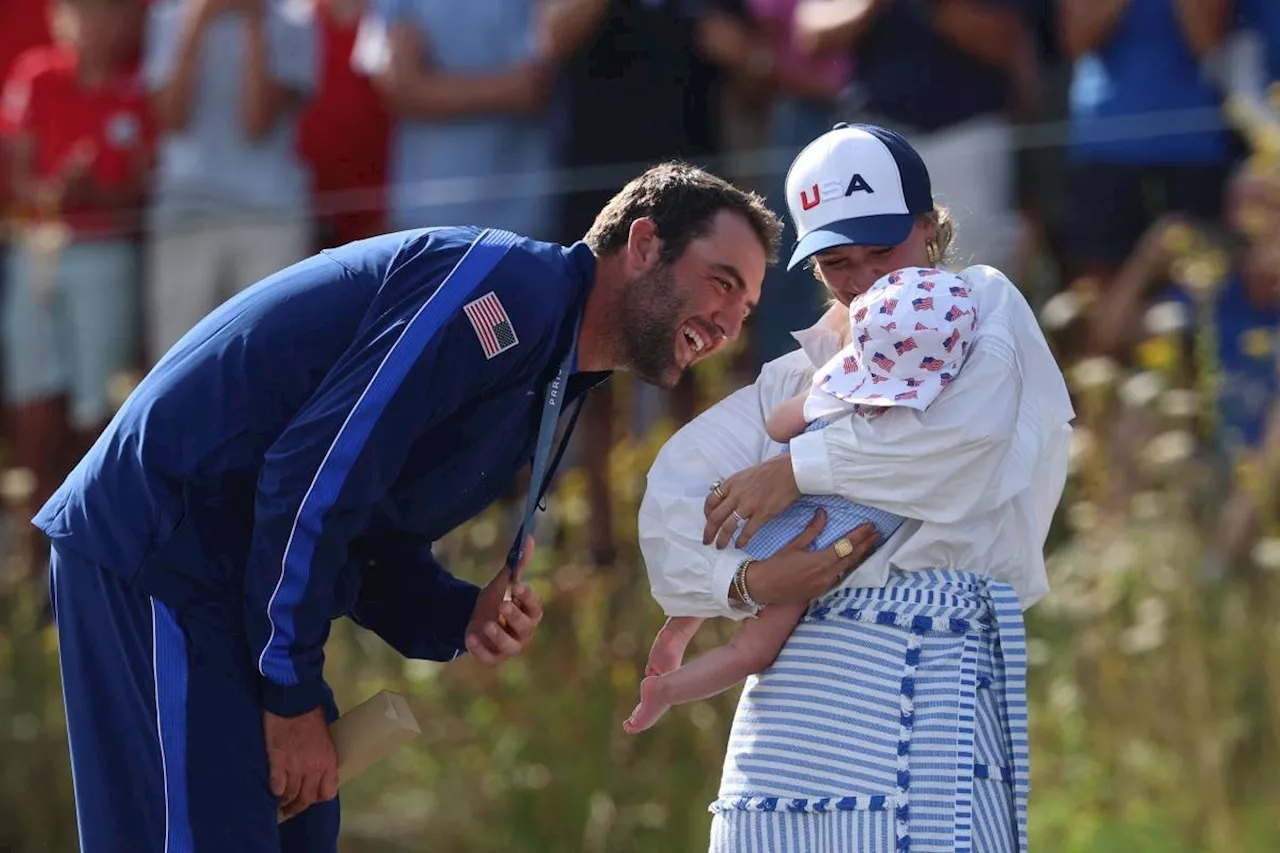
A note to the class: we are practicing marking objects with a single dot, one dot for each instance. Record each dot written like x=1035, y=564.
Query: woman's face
x=849, y=271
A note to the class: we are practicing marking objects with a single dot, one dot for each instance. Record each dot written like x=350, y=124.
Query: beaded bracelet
x=740, y=584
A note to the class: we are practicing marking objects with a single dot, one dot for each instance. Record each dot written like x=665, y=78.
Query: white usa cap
x=856, y=185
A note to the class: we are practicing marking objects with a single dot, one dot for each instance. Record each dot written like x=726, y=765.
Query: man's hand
x=796, y=574
x=493, y=640
x=752, y=496
x=304, y=764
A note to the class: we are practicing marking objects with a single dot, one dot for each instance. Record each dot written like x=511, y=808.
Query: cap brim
x=888, y=230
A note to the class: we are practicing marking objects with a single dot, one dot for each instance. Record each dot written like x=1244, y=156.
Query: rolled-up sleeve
x=688, y=578
x=936, y=465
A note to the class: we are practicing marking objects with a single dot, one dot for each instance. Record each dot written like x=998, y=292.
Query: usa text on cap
x=856, y=185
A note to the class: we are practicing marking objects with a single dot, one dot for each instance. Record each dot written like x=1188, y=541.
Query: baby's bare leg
x=667, y=652
x=751, y=650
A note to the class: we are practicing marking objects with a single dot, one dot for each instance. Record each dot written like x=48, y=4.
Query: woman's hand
x=796, y=574
x=753, y=496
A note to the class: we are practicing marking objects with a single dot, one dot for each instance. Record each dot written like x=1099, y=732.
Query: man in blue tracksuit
x=292, y=459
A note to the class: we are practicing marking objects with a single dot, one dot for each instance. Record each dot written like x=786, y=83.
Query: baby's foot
x=650, y=709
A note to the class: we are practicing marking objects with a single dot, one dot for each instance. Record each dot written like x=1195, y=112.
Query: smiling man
x=292, y=459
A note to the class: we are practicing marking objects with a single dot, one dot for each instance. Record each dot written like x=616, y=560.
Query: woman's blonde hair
x=938, y=252
x=939, y=248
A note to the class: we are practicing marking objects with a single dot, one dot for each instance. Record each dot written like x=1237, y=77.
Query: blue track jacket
x=298, y=451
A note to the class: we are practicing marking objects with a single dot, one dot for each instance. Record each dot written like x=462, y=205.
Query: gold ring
x=716, y=490
x=843, y=548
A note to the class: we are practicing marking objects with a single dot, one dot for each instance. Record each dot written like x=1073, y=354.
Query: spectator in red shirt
x=24, y=24
x=79, y=139
x=344, y=133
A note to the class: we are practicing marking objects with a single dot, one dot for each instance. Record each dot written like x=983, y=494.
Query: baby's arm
x=786, y=421
x=752, y=650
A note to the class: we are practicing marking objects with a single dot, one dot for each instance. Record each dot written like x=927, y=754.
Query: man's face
x=675, y=315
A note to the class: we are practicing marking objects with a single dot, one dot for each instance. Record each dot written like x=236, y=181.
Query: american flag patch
x=921, y=327
x=850, y=366
x=924, y=303
x=962, y=292
x=860, y=315
x=493, y=326
x=906, y=395
x=931, y=363
x=952, y=340
x=883, y=362
x=925, y=285
x=889, y=306
x=913, y=382
x=905, y=345
x=954, y=313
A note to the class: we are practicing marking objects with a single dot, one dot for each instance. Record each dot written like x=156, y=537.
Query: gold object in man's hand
x=843, y=548
x=502, y=620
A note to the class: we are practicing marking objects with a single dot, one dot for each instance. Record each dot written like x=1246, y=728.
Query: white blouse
x=978, y=474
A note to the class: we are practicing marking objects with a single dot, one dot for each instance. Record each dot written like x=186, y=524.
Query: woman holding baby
x=923, y=419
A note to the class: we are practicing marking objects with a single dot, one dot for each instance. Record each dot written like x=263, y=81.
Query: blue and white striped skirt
x=893, y=721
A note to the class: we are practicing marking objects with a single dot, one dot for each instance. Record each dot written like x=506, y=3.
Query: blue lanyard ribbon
x=552, y=402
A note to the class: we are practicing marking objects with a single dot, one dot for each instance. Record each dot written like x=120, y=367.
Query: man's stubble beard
x=646, y=327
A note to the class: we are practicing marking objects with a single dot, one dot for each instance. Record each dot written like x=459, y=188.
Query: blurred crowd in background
x=162, y=154
x=1118, y=159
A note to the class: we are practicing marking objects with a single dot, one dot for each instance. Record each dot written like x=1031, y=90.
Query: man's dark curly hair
x=682, y=201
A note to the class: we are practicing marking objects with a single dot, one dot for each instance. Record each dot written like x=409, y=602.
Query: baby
x=911, y=333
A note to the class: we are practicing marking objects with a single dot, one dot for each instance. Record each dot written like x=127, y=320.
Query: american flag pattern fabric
x=911, y=331
x=492, y=325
